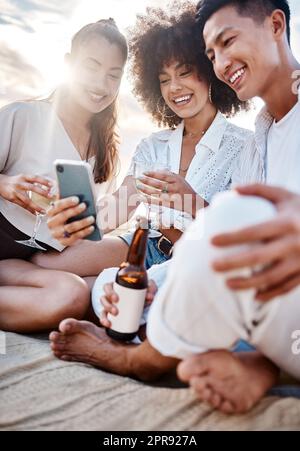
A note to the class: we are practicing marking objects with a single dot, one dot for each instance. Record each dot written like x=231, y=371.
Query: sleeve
x=142, y=154
x=7, y=116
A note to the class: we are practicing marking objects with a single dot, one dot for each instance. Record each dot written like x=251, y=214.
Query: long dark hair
x=104, y=138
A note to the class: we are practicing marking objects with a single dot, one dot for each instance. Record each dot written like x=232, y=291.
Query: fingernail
x=82, y=206
x=91, y=219
x=75, y=200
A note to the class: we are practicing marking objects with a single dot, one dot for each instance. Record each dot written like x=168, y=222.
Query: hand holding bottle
x=110, y=300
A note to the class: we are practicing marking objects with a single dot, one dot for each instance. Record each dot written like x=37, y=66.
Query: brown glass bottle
x=131, y=286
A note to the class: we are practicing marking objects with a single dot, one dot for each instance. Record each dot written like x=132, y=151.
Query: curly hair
x=161, y=36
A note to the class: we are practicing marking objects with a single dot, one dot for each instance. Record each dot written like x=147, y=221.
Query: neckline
x=286, y=117
x=62, y=127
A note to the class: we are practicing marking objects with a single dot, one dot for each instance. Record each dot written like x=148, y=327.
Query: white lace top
x=212, y=167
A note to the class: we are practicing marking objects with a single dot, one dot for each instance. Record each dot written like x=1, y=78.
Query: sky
x=36, y=34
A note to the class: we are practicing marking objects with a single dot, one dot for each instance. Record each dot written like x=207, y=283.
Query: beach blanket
x=39, y=392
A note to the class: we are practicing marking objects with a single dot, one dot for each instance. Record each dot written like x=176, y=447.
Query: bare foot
x=231, y=383
x=81, y=341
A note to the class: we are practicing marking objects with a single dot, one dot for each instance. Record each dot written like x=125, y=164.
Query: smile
x=183, y=100
x=237, y=76
x=95, y=97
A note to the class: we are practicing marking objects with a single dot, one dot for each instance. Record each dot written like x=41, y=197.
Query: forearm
x=147, y=364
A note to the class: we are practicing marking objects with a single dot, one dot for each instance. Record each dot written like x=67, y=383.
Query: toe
x=227, y=407
x=192, y=366
x=54, y=336
x=199, y=384
x=69, y=326
x=57, y=347
x=216, y=400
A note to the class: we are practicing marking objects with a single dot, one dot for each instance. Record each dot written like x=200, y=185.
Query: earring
x=163, y=113
x=210, y=93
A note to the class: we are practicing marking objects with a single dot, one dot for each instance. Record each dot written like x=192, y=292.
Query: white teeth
x=95, y=97
x=182, y=99
x=237, y=75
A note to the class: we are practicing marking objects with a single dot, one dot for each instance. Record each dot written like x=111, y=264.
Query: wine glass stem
x=37, y=225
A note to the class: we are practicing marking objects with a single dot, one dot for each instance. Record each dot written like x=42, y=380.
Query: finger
x=79, y=225
x=28, y=204
x=149, y=191
x=265, y=231
x=151, y=292
x=164, y=176
x=110, y=293
x=264, y=254
x=266, y=278
x=42, y=192
x=108, y=306
x=76, y=237
x=279, y=290
x=60, y=219
x=104, y=320
x=63, y=204
x=273, y=194
x=38, y=179
x=152, y=183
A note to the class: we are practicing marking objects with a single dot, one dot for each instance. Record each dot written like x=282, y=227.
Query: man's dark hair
x=257, y=9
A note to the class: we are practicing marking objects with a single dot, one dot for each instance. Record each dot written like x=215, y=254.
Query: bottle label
x=131, y=305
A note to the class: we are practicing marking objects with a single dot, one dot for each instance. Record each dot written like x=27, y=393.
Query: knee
x=72, y=297
x=230, y=211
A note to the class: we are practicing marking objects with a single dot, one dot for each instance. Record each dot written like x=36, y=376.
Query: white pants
x=195, y=311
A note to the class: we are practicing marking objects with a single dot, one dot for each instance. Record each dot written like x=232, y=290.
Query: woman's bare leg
x=86, y=258
x=33, y=299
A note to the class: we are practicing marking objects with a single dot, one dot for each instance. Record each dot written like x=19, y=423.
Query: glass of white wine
x=44, y=203
x=140, y=167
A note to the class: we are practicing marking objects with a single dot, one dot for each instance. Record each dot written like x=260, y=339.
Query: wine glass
x=140, y=167
x=43, y=202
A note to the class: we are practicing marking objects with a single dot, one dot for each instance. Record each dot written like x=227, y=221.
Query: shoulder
x=21, y=110
x=239, y=133
x=161, y=136
x=236, y=138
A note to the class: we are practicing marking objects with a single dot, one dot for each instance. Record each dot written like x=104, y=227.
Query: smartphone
x=75, y=178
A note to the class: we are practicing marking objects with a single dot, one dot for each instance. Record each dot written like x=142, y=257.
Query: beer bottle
x=131, y=286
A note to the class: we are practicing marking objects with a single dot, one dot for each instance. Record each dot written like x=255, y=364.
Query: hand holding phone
x=69, y=221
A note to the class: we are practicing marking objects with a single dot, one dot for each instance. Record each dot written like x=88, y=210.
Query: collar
x=214, y=135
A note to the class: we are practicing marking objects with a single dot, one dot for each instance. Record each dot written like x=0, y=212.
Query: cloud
x=18, y=78
x=24, y=13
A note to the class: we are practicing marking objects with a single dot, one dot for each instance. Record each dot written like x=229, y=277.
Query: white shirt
x=32, y=137
x=211, y=169
x=259, y=162
x=283, y=152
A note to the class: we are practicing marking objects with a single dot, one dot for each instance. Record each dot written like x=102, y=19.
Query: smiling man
x=248, y=43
